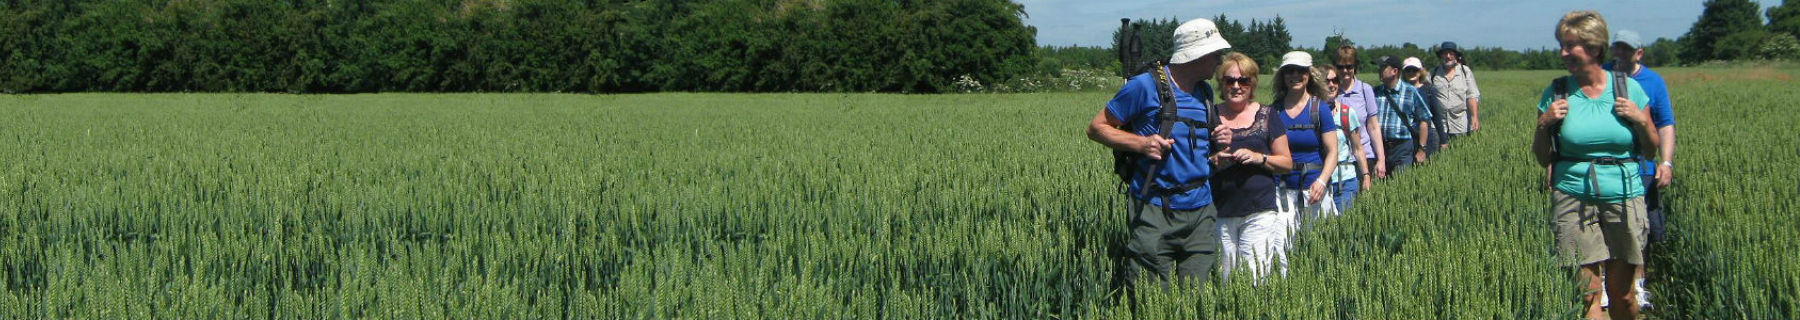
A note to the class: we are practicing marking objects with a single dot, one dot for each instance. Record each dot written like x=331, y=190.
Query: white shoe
x=1643, y=298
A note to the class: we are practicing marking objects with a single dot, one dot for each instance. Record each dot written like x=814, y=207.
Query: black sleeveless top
x=1242, y=189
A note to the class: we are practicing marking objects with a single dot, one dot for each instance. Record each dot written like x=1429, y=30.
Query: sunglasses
x=1346, y=67
x=1229, y=80
x=1295, y=71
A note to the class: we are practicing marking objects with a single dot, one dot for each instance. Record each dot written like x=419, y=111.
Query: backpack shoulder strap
x=1559, y=89
x=1318, y=118
x=1313, y=105
x=1394, y=97
x=1620, y=88
x=1213, y=118
x=1431, y=77
x=1344, y=112
x=1204, y=93
x=1165, y=117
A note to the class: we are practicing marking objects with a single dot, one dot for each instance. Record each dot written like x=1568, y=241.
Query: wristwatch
x=1670, y=164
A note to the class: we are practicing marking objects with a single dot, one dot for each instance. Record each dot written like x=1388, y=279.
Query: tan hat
x=1296, y=58
x=1196, y=38
x=1413, y=62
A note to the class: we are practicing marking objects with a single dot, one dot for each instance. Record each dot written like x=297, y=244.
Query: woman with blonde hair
x=1587, y=133
x=1414, y=73
x=1251, y=151
x=1301, y=93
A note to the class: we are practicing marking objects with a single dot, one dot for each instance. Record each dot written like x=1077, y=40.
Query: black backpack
x=1125, y=162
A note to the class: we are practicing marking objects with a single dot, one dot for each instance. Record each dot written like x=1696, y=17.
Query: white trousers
x=1256, y=243
x=1292, y=202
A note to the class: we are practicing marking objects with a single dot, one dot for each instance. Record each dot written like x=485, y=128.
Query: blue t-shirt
x=1662, y=110
x=1304, y=143
x=1137, y=104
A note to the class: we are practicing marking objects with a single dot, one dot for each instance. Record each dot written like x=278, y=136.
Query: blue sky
x=1511, y=24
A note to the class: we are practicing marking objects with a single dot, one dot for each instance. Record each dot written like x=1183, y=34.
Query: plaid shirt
x=1404, y=99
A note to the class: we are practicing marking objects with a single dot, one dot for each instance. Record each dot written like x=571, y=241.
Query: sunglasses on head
x=1230, y=80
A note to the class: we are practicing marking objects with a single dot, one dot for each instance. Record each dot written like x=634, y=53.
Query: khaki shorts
x=1591, y=232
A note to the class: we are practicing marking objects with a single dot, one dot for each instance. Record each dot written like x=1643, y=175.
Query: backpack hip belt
x=1594, y=176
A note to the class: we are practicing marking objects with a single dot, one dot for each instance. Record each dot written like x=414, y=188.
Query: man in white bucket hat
x=1163, y=159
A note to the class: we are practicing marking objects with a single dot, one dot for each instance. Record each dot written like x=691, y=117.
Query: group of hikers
x=1218, y=180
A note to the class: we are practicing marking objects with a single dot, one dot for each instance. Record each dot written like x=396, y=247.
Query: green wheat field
x=797, y=206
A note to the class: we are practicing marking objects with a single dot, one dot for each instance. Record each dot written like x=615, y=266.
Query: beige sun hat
x=1297, y=58
x=1196, y=38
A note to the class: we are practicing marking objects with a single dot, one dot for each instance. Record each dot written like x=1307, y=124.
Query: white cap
x=1629, y=37
x=1296, y=58
x=1412, y=62
x=1196, y=38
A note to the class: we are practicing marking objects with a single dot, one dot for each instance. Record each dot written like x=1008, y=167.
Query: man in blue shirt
x=1403, y=113
x=1173, y=222
x=1628, y=54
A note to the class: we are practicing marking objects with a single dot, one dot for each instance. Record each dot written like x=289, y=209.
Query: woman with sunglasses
x=1250, y=152
x=1299, y=93
x=1352, y=172
x=1360, y=96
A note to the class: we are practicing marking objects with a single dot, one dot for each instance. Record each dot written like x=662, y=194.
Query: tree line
x=337, y=46
x=1266, y=41
x=1732, y=30
x=1261, y=40
x=509, y=45
x=1726, y=30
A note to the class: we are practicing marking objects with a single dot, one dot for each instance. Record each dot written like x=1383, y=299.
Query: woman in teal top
x=1589, y=134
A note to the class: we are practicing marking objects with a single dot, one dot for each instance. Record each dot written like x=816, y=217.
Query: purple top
x=1361, y=97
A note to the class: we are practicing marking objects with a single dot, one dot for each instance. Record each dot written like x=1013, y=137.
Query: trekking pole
x=1127, y=50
